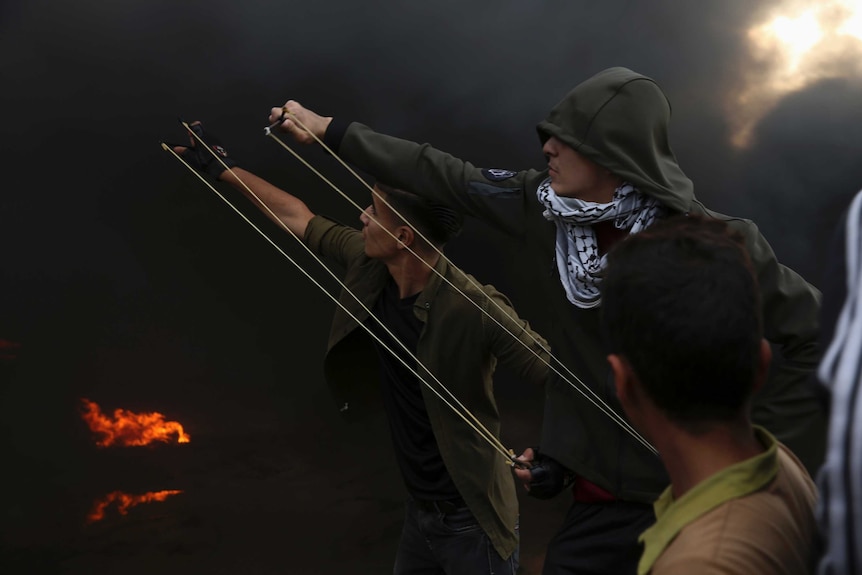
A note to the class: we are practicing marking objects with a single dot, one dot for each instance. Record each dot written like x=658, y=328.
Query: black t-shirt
x=416, y=450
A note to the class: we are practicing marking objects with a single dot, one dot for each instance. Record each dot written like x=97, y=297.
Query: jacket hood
x=619, y=119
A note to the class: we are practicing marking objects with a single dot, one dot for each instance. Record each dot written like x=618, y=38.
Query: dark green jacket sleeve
x=512, y=341
x=331, y=240
x=428, y=172
x=789, y=403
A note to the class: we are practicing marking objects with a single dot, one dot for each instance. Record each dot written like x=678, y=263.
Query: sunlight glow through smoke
x=795, y=46
x=852, y=26
x=797, y=35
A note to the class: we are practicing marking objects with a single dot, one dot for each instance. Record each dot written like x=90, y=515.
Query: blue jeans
x=435, y=543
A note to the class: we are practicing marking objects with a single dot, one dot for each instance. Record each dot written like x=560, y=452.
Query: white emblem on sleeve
x=495, y=175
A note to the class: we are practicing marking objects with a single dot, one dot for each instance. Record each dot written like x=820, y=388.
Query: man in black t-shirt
x=449, y=332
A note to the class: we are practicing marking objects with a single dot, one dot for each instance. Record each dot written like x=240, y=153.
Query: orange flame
x=127, y=428
x=125, y=501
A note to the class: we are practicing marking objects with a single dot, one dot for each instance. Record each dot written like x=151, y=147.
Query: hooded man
x=611, y=172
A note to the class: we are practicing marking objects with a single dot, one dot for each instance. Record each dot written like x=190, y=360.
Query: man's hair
x=435, y=221
x=680, y=302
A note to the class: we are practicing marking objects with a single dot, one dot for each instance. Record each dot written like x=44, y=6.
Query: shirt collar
x=732, y=482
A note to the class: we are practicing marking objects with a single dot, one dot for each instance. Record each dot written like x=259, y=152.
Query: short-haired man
x=683, y=321
x=611, y=172
x=462, y=514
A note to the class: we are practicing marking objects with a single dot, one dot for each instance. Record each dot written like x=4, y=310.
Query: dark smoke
x=127, y=281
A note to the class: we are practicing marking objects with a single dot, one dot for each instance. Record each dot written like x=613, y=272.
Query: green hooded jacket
x=619, y=119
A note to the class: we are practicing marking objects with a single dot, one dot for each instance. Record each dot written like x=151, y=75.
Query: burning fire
x=127, y=428
x=125, y=501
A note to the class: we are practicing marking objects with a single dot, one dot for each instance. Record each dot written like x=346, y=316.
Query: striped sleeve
x=840, y=479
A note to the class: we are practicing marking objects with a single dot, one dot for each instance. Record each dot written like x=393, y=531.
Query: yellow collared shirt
x=753, y=517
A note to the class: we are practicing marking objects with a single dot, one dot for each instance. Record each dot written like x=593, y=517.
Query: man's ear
x=623, y=377
x=763, y=361
x=406, y=236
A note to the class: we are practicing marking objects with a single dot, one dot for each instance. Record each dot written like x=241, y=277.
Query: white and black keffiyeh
x=578, y=259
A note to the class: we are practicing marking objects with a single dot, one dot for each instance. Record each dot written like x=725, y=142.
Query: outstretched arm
x=498, y=197
x=284, y=209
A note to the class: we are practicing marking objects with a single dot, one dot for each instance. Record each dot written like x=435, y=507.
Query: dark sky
x=125, y=279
